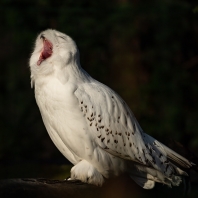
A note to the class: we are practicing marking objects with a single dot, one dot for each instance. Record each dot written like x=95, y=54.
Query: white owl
x=90, y=124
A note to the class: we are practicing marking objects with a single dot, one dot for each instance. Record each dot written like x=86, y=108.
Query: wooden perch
x=122, y=187
x=41, y=188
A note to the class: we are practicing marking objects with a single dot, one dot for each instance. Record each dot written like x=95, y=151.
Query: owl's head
x=53, y=50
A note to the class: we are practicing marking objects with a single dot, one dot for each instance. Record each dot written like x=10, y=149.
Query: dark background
x=147, y=51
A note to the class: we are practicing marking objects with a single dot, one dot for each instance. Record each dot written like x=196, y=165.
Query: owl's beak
x=46, y=51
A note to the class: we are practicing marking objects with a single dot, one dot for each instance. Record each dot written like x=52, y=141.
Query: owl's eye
x=62, y=37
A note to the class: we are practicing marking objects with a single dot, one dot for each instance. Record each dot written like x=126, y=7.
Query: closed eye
x=62, y=37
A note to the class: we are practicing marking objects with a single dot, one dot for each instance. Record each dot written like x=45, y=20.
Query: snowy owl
x=91, y=125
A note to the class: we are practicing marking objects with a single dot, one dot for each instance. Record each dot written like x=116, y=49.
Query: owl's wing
x=115, y=129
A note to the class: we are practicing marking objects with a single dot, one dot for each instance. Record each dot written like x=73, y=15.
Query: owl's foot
x=86, y=173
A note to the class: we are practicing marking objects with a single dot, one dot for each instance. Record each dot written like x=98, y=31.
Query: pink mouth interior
x=46, y=51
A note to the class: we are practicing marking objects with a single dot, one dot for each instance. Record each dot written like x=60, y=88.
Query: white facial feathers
x=63, y=51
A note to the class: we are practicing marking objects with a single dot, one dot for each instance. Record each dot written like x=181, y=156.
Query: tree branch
x=121, y=187
x=41, y=188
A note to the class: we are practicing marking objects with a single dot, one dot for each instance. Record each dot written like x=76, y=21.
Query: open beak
x=46, y=51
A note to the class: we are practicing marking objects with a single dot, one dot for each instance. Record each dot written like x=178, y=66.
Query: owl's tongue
x=46, y=51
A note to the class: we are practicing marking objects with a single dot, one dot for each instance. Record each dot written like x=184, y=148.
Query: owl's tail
x=146, y=176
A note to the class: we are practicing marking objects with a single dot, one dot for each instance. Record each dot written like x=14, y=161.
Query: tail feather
x=182, y=161
x=177, y=157
x=179, y=171
x=143, y=182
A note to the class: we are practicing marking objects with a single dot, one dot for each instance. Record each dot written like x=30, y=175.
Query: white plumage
x=90, y=124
